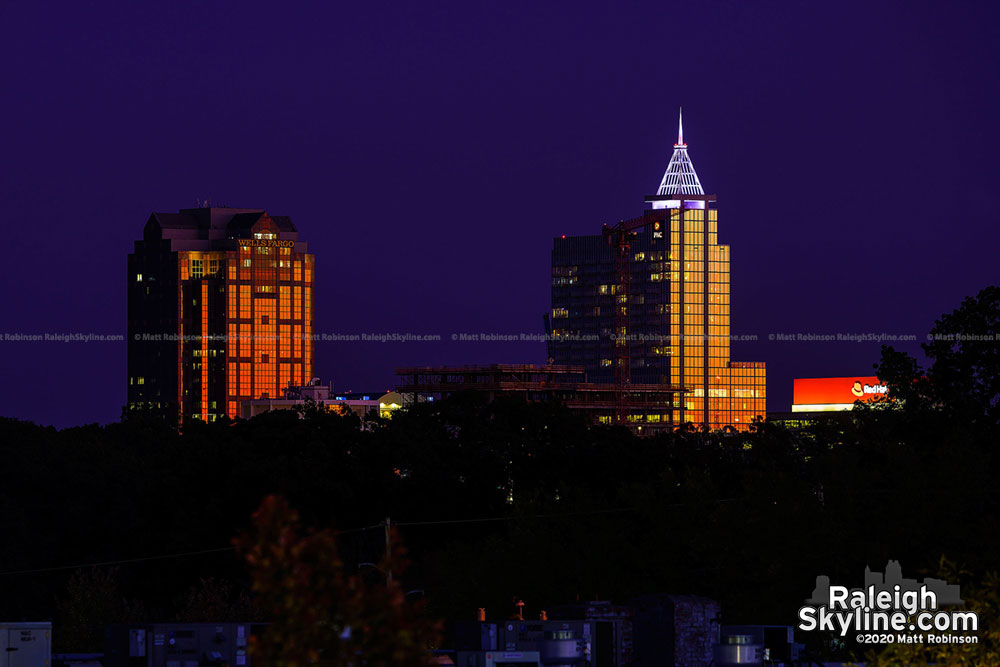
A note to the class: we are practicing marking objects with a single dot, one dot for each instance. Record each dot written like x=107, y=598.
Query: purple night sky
x=429, y=152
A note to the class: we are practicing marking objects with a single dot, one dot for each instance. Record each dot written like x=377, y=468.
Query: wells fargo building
x=676, y=296
x=220, y=310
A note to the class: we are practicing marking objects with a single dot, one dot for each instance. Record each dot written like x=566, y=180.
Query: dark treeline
x=582, y=512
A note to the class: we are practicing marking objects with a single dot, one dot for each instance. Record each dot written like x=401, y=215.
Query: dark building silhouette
x=220, y=309
x=568, y=385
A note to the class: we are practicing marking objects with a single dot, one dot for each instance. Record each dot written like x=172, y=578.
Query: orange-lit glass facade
x=719, y=393
x=678, y=301
x=220, y=311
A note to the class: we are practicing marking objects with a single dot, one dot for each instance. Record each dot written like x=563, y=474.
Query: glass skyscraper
x=220, y=309
x=676, y=300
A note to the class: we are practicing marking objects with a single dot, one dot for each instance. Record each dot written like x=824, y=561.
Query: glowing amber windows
x=225, y=293
x=678, y=305
x=263, y=313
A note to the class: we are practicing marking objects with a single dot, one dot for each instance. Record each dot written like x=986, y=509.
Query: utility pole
x=388, y=551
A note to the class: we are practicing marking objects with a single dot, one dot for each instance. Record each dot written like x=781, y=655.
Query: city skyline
x=431, y=210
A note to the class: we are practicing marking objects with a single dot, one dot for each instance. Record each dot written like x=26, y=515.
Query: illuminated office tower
x=220, y=310
x=677, y=299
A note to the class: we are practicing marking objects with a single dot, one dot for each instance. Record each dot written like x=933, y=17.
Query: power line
x=510, y=518
x=118, y=562
x=141, y=559
x=556, y=515
x=201, y=552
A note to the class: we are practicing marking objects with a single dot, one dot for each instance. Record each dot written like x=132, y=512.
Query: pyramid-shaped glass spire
x=680, y=177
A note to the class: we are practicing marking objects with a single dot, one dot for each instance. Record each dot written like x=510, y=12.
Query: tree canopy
x=509, y=499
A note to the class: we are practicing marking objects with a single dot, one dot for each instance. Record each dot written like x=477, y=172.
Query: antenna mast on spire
x=680, y=177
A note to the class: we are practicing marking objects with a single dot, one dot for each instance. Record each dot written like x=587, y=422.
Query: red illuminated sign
x=826, y=391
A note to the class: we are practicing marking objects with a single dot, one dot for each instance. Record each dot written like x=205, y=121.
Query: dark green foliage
x=749, y=519
x=216, y=601
x=574, y=511
x=962, y=381
x=91, y=601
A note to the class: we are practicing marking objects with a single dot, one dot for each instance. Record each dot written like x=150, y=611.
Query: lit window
x=196, y=268
x=138, y=277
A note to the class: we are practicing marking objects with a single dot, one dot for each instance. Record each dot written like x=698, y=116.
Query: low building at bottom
x=650, y=407
x=25, y=644
x=651, y=630
x=180, y=644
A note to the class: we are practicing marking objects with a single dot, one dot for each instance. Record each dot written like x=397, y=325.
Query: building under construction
x=646, y=303
x=651, y=405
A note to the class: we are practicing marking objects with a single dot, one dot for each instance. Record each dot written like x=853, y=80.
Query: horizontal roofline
x=678, y=197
